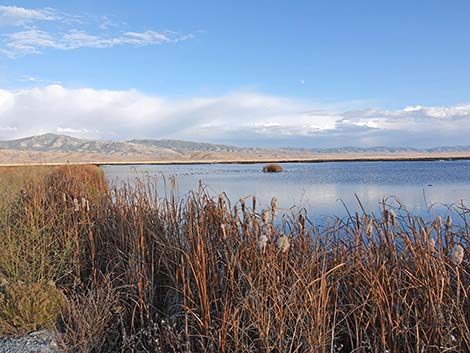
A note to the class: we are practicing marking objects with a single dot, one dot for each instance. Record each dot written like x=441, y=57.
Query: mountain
x=62, y=143
x=51, y=148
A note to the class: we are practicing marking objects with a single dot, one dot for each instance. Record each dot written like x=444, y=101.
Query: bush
x=87, y=319
x=272, y=168
x=25, y=308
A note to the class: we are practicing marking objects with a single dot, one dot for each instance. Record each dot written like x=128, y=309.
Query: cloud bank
x=32, y=31
x=245, y=118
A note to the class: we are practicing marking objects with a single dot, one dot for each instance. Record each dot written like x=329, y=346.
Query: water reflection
x=324, y=189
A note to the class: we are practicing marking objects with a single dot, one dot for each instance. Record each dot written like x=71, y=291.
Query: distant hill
x=52, y=148
x=392, y=150
x=60, y=148
x=63, y=143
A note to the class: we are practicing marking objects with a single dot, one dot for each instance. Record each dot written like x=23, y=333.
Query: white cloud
x=67, y=130
x=20, y=16
x=34, y=41
x=247, y=118
x=105, y=23
x=68, y=32
x=32, y=79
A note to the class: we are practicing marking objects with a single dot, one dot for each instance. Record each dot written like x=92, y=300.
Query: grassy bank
x=123, y=270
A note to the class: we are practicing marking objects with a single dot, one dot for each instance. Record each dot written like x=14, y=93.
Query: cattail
x=262, y=242
x=448, y=222
x=274, y=202
x=303, y=221
x=242, y=204
x=87, y=206
x=76, y=205
x=273, y=207
x=457, y=254
x=222, y=201
x=283, y=243
x=438, y=222
x=385, y=215
x=254, y=203
x=424, y=233
x=265, y=216
x=224, y=233
x=83, y=202
x=369, y=229
x=246, y=216
x=431, y=243
x=393, y=218
x=64, y=197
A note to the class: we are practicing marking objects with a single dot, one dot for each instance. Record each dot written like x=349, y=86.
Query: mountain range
x=52, y=148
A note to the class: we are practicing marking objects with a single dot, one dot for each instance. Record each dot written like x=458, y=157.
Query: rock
x=41, y=341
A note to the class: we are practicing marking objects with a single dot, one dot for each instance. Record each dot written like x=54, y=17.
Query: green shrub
x=25, y=308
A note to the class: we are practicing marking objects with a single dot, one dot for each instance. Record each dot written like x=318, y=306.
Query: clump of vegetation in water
x=140, y=273
x=272, y=168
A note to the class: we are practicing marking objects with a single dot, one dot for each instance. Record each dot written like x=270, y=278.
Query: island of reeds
x=123, y=270
x=272, y=168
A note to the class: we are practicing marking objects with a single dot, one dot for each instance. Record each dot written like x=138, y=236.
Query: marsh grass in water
x=272, y=168
x=140, y=273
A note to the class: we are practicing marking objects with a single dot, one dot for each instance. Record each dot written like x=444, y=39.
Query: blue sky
x=290, y=73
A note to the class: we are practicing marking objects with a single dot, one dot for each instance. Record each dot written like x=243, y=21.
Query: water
x=324, y=189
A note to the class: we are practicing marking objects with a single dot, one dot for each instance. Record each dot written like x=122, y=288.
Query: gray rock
x=41, y=341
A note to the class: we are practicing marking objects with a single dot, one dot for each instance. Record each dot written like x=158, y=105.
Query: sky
x=253, y=73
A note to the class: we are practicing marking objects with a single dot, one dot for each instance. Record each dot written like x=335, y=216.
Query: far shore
x=319, y=159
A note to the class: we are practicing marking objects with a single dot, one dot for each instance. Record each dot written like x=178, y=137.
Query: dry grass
x=190, y=275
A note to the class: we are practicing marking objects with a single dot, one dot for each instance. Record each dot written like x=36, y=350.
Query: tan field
x=18, y=158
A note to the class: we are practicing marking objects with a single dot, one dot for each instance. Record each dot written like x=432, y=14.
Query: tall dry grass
x=142, y=273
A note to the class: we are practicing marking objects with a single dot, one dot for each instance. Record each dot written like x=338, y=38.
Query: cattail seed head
x=448, y=222
x=431, y=243
x=246, y=216
x=273, y=207
x=254, y=203
x=303, y=221
x=224, y=232
x=369, y=229
x=393, y=218
x=64, y=197
x=262, y=242
x=222, y=203
x=274, y=203
x=385, y=215
x=438, y=222
x=76, y=205
x=265, y=216
x=283, y=243
x=242, y=204
x=457, y=254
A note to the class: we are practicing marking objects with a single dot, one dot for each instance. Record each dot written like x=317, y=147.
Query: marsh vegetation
x=272, y=168
x=123, y=269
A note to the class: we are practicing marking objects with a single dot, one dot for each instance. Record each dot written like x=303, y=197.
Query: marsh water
x=327, y=189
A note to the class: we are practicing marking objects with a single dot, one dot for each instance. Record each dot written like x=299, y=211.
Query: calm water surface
x=322, y=188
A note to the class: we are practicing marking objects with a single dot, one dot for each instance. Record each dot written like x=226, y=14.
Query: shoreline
x=335, y=159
